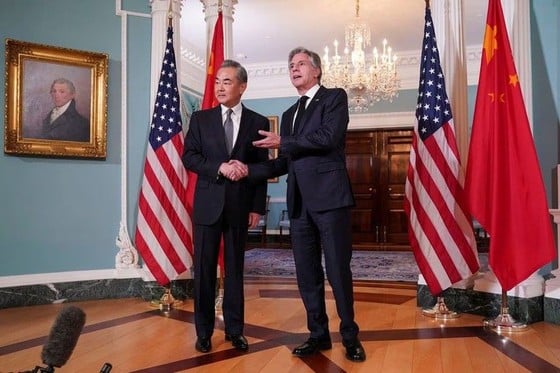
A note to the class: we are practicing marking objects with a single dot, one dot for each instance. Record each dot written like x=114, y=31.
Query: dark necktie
x=228, y=129
x=299, y=115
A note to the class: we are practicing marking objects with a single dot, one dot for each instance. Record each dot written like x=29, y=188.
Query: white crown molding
x=271, y=80
x=193, y=69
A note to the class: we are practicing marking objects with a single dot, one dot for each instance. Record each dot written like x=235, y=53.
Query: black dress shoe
x=238, y=341
x=355, y=351
x=312, y=346
x=203, y=344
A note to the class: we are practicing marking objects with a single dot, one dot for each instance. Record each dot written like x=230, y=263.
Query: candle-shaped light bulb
x=335, y=47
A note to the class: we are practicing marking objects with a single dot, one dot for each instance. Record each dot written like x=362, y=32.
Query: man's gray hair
x=313, y=57
x=68, y=83
x=241, y=73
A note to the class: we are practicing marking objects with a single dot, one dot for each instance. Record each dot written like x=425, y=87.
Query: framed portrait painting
x=56, y=101
x=273, y=153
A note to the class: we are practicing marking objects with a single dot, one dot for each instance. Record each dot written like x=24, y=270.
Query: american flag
x=164, y=228
x=440, y=228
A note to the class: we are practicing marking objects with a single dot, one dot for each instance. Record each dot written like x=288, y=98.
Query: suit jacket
x=70, y=126
x=314, y=156
x=205, y=149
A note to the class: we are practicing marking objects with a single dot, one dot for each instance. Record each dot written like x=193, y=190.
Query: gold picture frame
x=273, y=153
x=42, y=77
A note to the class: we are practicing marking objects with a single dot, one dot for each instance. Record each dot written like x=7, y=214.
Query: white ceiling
x=265, y=31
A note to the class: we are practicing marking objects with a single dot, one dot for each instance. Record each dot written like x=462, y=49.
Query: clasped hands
x=234, y=170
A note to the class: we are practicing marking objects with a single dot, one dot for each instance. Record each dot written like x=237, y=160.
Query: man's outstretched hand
x=270, y=140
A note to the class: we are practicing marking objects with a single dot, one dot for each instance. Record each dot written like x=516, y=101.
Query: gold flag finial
x=170, y=14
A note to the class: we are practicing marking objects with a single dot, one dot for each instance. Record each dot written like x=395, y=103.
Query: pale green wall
x=545, y=40
x=63, y=215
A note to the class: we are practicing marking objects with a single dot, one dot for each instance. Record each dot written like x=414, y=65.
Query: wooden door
x=393, y=169
x=362, y=165
x=377, y=163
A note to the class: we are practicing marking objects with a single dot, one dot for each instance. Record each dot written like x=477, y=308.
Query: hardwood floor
x=135, y=337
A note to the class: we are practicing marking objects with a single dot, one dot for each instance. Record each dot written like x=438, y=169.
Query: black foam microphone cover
x=63, y=336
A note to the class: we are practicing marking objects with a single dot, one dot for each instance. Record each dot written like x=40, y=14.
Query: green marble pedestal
x=32, y=295
x=552, y=299
x=525, y=302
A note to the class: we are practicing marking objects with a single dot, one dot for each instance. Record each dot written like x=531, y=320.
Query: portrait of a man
x=64, y=122
x=57, y=100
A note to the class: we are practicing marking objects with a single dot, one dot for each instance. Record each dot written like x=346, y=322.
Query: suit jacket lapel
x=309, y=110
x=217, y=122
x=244, y=126
x=286, y=130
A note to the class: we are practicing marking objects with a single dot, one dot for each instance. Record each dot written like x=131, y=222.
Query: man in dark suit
x=224, y=205
x=319, y=198
x=64, y=122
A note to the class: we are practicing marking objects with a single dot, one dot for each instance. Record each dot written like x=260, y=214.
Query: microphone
x=62, y=338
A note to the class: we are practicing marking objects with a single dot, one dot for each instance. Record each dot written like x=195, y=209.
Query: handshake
x=233, y=170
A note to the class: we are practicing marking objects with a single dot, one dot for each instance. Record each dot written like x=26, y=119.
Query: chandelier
x=366, y=80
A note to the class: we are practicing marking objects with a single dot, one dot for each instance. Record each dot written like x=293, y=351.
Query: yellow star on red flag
x=490, y=42
x=513, y=80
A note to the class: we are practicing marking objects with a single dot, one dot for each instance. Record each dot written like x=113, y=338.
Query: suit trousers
x=207, y=243
x=330, y=231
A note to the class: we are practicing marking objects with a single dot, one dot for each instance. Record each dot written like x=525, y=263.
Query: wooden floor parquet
x=134, y=337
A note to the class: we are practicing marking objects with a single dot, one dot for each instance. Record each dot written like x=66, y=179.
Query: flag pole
x=504, y=200
x=170, y=14
x=220, y=296
x=167, y=302
x=504, y=322
x=439, y=311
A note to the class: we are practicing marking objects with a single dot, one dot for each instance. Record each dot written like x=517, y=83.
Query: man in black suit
x=64, y=122
x=319, y=198
x=224, y=205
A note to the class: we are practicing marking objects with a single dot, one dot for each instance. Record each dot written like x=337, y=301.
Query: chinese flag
x=503, y=182
x=215, y=60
